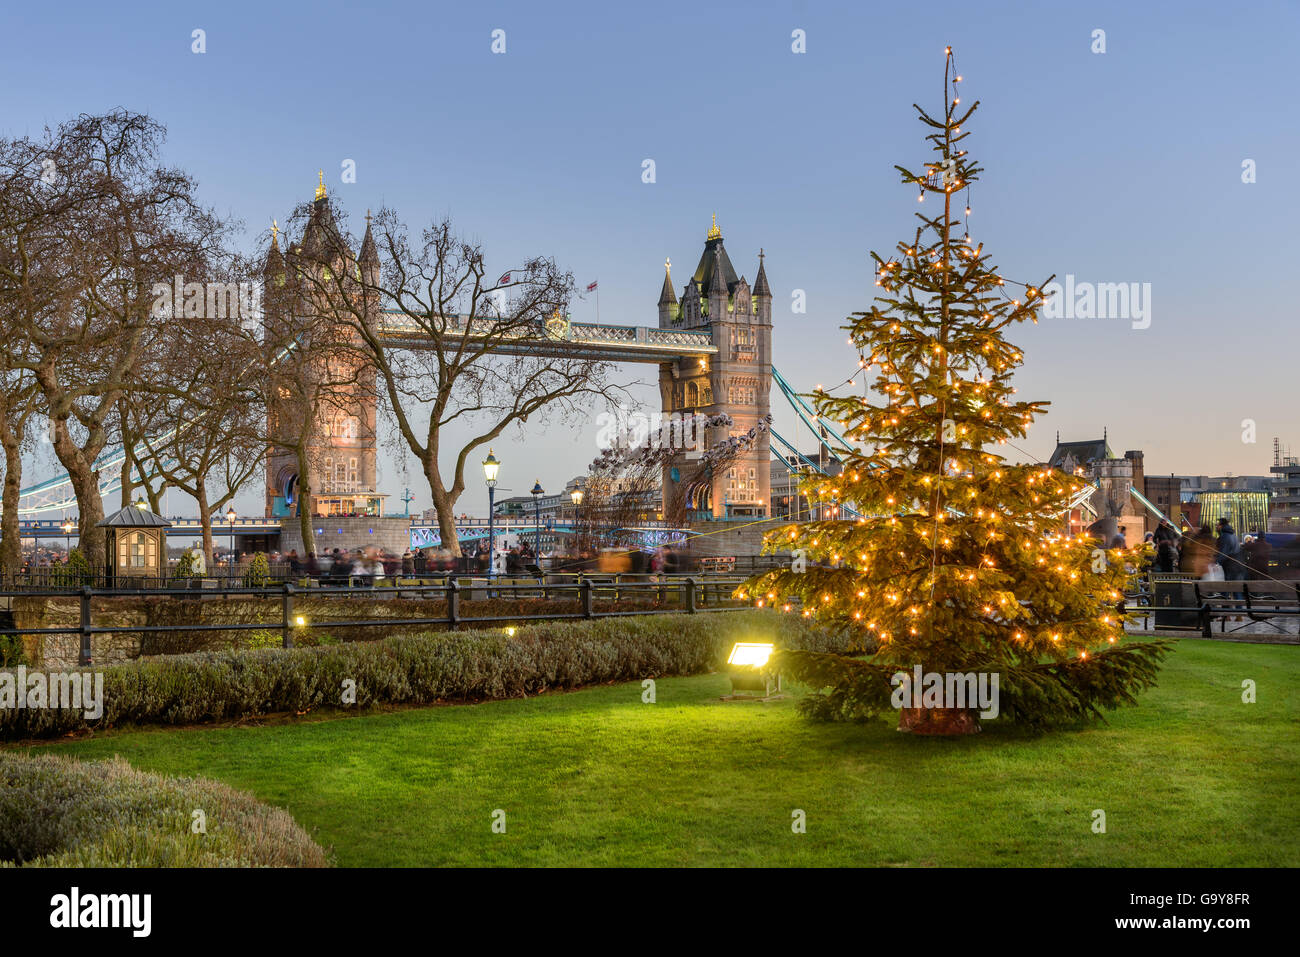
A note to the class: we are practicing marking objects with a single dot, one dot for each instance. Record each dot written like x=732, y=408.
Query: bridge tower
x=340, y=395
x=737, y=381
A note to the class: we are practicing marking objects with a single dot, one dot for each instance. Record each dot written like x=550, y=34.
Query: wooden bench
x=1268, y=601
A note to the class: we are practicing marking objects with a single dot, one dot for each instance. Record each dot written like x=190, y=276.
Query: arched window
x=692, y=394
x=137, y=550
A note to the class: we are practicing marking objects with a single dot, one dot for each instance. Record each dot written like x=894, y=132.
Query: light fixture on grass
x=747, y=662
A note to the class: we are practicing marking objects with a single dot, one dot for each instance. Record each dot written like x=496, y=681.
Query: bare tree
x=104, y=223
x=200, y=428
x=449, y=346
x=19, y=403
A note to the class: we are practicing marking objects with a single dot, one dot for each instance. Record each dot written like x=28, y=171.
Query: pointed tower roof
x=718, y=284
x=761, y=287
x=713, y=257
x=667, y=297
x=369, y=251
x=274, y=261
x=321, y=223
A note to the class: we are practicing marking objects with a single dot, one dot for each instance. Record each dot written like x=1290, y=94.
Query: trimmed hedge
x=419, y=669
x=58, y=812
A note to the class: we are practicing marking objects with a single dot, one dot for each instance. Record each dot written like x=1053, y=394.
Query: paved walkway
x=1281, y=631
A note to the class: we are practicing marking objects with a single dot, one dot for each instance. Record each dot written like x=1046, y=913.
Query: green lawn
x=1190, y=777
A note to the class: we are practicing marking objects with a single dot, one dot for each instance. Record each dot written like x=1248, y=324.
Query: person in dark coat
x=1256, y=554
x=1165, y=532
x=1229, y=549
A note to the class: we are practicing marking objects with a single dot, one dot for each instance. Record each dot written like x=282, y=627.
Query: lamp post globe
x=491, y=466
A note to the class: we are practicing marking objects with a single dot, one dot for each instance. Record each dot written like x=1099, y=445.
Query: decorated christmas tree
x=941, y=554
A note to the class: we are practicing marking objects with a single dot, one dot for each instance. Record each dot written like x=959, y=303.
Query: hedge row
x=416, y=669
x=57, y=812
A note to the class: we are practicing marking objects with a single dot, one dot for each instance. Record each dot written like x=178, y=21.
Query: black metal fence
x=673, y=596
x=342, y=573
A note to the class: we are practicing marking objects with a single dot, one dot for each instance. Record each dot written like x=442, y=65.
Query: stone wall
x=349, y=534
x=717, y=539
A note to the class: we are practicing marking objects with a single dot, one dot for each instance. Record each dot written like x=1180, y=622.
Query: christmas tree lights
x=952, y=557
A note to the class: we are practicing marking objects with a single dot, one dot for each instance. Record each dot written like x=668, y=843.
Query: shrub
x=76, y=571
x=58, y=812
x=186, y=566
x=258, y=572
x=12, y=652
x=418, y=669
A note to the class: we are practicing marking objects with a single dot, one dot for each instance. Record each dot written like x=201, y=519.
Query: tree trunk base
x=941, y=721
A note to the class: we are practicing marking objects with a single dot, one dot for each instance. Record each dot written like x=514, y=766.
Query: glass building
x=1245, y=509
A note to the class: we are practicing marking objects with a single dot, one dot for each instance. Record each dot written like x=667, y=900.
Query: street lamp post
x=231, y=515
x=576, y=497
x=537, y=522
x=491, y=465
x=67, y=537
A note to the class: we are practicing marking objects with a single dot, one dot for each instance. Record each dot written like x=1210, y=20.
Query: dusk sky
x=1122, y=166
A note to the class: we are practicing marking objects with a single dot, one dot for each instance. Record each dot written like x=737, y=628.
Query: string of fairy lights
x=947, y=177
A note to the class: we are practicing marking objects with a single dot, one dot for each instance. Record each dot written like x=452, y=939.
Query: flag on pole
x=505, y=278
x=591, y=288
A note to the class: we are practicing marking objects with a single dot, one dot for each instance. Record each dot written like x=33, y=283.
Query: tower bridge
x=713, y=348
x=712, y=344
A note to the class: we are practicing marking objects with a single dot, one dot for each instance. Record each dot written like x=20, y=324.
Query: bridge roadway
x=561, y=338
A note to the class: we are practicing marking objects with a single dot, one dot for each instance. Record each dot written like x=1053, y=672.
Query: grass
x=1190, y=777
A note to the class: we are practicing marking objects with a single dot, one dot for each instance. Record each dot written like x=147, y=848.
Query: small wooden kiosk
x=135, y=544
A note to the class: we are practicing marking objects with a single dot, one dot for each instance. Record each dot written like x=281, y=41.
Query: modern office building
x=1244, y=500
x=1284, y=502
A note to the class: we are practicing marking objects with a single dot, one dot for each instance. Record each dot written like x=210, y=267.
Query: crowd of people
x=1211, y=555
x=376, y=564
x=1214, y=555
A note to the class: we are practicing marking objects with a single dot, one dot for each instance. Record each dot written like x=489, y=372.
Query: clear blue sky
x=1115, y=167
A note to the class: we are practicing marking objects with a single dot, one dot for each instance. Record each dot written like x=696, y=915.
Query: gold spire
x=715, y=232
x=320, y=187
x=668, y=267
x=275, y=231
